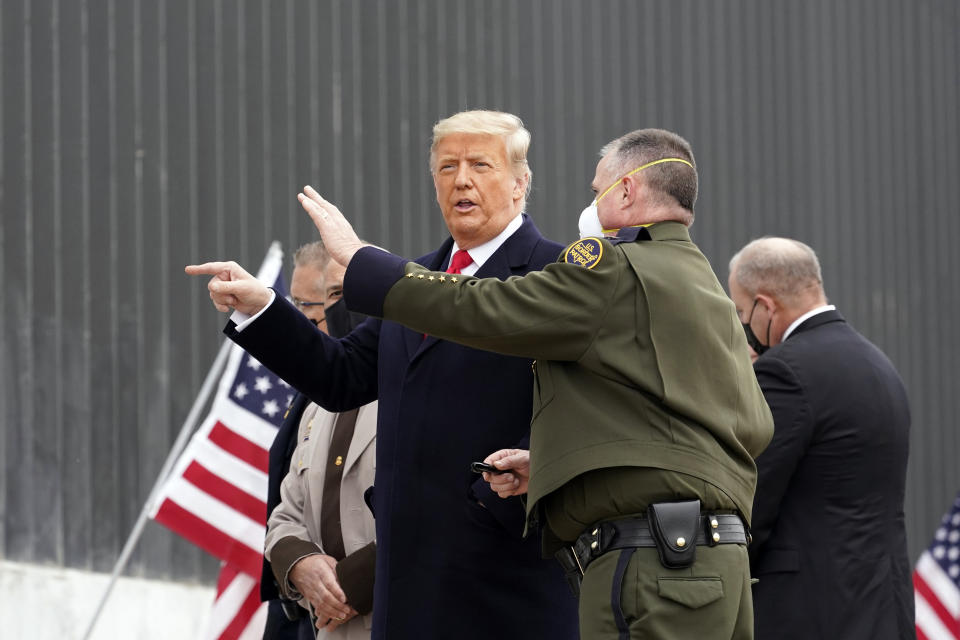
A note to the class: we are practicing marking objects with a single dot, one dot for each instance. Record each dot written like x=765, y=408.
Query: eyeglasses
x=303, y=304
x=649, y=164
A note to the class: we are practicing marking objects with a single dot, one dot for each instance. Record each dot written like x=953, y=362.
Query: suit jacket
x=451, y=558
x=829, y=542
x=298, y=513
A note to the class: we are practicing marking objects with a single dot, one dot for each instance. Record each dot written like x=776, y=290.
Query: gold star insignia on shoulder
x=420, y=277
x=431, y=278
x=409, y=275
x=442, y=279
x=453, y=279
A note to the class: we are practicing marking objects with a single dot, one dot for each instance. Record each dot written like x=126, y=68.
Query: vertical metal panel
x=140, y=136
x=5, y=411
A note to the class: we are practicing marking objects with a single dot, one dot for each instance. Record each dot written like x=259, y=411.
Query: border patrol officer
x=647, y=416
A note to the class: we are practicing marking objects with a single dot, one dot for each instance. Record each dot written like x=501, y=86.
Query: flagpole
x=274, y=253
x=178, y=446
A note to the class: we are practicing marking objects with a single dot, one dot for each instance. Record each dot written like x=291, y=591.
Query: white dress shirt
x=809, y=314
x=482, y=253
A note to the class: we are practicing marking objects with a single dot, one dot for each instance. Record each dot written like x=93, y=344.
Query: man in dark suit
x=451, y=558
x=829, y=544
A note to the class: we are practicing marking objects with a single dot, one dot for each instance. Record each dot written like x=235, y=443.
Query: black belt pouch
x=674, y=526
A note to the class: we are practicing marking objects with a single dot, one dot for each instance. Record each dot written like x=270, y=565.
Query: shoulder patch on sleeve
x=586, y=253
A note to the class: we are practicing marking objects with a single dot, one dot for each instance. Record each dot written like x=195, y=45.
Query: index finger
x=207, y=268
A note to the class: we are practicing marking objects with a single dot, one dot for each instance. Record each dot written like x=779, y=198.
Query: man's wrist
x=284, y=556
x=243, y=320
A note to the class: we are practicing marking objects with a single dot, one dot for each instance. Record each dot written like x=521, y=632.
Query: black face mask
x=341, y=321
x=758, y=347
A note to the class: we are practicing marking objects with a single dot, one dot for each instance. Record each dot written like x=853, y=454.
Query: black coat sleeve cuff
x=370, y=276
x=355, y=575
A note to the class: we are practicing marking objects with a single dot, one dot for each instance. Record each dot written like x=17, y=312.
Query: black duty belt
x=635, y=532
x=675, y=529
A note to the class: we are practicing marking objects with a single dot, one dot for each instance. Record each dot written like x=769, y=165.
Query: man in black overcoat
x=829, y=542
x=451, y=561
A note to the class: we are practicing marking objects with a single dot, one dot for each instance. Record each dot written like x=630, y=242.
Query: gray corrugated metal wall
x=138, y=136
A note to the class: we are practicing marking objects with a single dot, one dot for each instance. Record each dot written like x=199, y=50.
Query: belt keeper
x=596, y=543
x=711, y=531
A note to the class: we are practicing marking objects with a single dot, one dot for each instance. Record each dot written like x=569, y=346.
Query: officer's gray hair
x=782, y=267
x=312, y=254
x=673, y=179
x=495, y=123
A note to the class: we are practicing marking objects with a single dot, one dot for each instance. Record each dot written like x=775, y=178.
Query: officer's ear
x=632, y=190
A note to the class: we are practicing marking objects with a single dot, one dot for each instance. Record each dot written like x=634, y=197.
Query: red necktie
x=459, y=260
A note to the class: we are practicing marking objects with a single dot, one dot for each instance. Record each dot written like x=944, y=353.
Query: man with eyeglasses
x=647, y=416
x=307, y=289
x=320, y=547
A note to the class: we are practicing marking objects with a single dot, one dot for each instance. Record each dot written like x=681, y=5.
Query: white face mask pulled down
x=589, y=224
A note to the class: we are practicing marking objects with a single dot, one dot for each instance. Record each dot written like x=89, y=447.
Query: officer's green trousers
x=643, y=600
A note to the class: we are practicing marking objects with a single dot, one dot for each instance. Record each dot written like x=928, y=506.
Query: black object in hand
x=480, y=467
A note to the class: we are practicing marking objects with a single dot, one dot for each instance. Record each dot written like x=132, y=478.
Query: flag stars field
x=270, y=408
x=936, y=581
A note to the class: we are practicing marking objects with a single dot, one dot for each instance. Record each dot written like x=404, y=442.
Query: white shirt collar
x=482, y=253
x=809, y=314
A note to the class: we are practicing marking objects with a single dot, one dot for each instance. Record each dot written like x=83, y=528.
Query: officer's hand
x=338, y=236
x=515, y=482
x=231, y=287
x=315, y=578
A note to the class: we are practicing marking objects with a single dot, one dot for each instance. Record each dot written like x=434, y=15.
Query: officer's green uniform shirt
x=641, y=360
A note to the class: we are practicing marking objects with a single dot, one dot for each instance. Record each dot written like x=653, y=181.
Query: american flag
x=936, y=582
x=216, y=494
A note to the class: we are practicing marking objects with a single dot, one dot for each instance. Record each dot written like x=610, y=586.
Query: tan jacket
x=301, y=492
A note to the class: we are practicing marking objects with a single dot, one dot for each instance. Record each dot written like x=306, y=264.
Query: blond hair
x=495, y=123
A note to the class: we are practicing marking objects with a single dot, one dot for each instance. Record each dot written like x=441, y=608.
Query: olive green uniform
x=642, y=380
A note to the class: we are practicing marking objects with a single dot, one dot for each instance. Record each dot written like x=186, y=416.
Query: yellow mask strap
x=649, y=164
